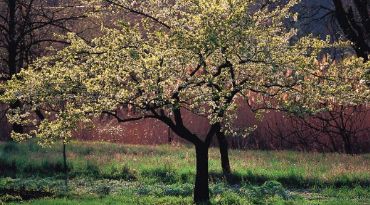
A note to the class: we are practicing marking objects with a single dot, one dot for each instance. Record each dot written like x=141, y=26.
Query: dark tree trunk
x=12, y=43
x=18, y=128
x=201, y=189
x=65, y=166
x=169, y=138
x=350, y=26
x=224, y=152
x=12, y=53
x=347, y=144
x=334, y=147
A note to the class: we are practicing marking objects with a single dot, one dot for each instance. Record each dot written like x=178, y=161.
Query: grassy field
x=104, y=173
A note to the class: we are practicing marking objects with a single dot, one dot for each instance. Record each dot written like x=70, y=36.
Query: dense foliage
x=207, y=54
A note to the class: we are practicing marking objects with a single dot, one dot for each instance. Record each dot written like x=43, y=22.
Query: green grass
x=104, y=173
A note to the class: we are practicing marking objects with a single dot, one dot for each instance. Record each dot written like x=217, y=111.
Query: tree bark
x=224, y=152
x=351, y=29
x=12, y=54
x=12, y=43
x=201, y=189
x=169, y=139
x=18, y=128
x=347, y=144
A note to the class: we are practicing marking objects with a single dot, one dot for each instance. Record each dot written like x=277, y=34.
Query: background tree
x=343, y=129
x=28, y=27
x=204, y=58
x=338, y=129
x=349, y=19
x=355, y=24
x=337, y=18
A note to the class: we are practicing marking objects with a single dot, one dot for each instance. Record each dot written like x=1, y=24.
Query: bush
x=26, y=189
x=161, y=174
x=45, y=168
x=91, y=169
x=231, y=198
x=274, y=188
x=103, y=190
x=178, y=190
x=270, y=189
x=8, y=168
x=9, y=198
x=10, y=147
x=117, y=172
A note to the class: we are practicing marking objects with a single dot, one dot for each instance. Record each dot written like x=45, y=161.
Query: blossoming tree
x=202, y=56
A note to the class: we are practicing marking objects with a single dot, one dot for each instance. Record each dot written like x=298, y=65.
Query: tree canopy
x=197, y=55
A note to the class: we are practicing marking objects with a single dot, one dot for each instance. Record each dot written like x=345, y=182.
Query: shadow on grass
x=289, y=181
x=16, y=162
x=24, y=194
x=15, y=169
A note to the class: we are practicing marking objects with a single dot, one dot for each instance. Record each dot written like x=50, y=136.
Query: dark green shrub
x=187, y=177
x=9, y=198
x=45, y=168
x=178, y=190
x=116, y=172
x=270, y=189
x=10, y=147
x=91, y=169
x=230, y=198
x=127, y=174
x=32, y=146
x=161, y=174
x=8, y=168
x=274, y=188
x=103, y=190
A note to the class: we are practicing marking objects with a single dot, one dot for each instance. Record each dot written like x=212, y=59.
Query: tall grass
x=170, y=164
x=132, y=174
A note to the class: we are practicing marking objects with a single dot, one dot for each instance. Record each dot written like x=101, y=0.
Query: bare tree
x=342, y=127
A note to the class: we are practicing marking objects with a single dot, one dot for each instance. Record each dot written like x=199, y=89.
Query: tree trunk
x=201, y=189
x=65, y=166
x=347, y=144
x=224, y=152
x=12, y=43
x=12, y=54
x=18, y=128
x=169, y=135
x=351, y=29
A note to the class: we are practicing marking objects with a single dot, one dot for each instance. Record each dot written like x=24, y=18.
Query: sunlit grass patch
x=134, y=174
